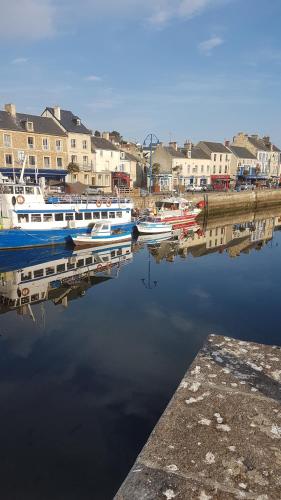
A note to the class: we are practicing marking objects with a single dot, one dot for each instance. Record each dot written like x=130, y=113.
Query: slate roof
x=41, y=124
x=131, y=157
x=100, y=143
x=199, y=154
x=215, y=147
x=242, y=152
x=262, y=144
x=175, y=153
x=68, y=121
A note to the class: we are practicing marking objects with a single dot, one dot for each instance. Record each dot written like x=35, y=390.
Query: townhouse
x=108, y=163
x=267, y=154
x=81, y=158
x=244, y=164
x=38, y=139
x=220, y=164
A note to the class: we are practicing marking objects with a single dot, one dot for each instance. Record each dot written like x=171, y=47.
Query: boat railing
x=84, y=199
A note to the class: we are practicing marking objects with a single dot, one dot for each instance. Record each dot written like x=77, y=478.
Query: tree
x=116, y=135
x=155, y=172
x=177, y=169
x=72, y=168
x=97, y=133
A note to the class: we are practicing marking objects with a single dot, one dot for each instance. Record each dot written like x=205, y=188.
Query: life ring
x=98, y=203
x=25, y=292
x=20, y=199
x=108, y=202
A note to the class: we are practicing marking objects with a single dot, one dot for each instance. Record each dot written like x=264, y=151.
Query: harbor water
x=94, y=343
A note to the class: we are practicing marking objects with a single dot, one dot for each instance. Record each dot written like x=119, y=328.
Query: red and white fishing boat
x=177, y=211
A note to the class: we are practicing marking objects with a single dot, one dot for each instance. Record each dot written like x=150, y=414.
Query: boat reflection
x=30, y=277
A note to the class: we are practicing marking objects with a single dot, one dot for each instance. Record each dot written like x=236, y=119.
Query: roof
x=215, y=147
x=175, y=153
x=241, y=152
x=68, y=121
x=262, y=144
x=131, y=157
x=41, y=124
x=199, y=154
x=100, y=143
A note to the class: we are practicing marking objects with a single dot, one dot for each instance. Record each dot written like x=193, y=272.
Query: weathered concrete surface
x=220, y=436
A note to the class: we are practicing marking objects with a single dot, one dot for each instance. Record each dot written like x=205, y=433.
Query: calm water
x=89, y=361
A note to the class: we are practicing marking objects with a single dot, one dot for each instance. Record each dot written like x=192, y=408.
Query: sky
x=181, y=69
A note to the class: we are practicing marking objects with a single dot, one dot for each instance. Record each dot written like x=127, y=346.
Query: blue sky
x=196, y=69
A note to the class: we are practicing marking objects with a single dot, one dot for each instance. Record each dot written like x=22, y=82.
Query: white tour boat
x=102, y=235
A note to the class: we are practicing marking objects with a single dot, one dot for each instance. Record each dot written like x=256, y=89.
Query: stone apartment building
x=107, y=161
x=38, y=139
x=244, y=164
x=220, y=163
x=267, y=154
x=81, y=158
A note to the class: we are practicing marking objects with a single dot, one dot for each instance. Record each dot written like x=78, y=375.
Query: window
x=96, y=215
x=84, y=144
x=50, y=270
x=60, y=268
x=58, y=145
x=93, y=181
x=74, y=176
x=26, y=276
x=220, y=170
x=78, y=216
x=73, y=143
x=215, y=157
x=85, y=160
x=118, y=214
x=58, y=217
x=88, y=216
x=46, y=162
x=80, y=263
x=9, y=159
x=226, y=158
x=101, y=153
x=86, y=179
x=45, y=143
x=220, y=157
x=59, y=162
x=111, y=154
x=194, y=169
x=34, y=297
x=7, y=141
x=70, y=265
x=23, y=218
x=29, y=126
x=99, y=178
x=39, y=273
x=73, y=159
x=6, y=189
x=29, y=190
x=107, y=179
x=69, y=216
x=104, y=215
x=225, y=170
x=202, y=168
x=47, y=217
x=214, y=170
x=35, y=217
x=21, y=156
x=88, y=261
x=112, y=215
x=19, y=190
x=30, y=142
x=32, y=161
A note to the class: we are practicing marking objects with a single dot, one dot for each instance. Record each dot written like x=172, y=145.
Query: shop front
x=220, y=182
x=120, y=180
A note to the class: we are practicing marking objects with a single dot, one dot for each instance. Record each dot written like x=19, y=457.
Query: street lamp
x=147, y=282
x=150, y=140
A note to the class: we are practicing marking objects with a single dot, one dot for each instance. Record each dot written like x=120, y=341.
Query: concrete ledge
x=220, y=436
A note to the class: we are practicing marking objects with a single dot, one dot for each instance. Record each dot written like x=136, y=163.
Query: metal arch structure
x=150, y=140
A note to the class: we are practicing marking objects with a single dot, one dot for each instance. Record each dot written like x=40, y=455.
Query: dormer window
x=29, y=126
x=77, y=120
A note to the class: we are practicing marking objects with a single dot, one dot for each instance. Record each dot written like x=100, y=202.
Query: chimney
x=56, y=110
x=188, y=145
x=254, y=136
x=173, y=145
x=105, y=135
x=11, y=109
x=227, y=144
x=267, y=140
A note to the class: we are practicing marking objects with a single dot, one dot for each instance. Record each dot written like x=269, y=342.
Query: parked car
x=193, y=188
x=94, y=190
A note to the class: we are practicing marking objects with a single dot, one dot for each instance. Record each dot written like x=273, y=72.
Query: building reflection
x=34, y=276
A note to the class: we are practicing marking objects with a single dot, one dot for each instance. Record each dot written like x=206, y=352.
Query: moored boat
x=102, y=235
x=153, y=225
x=177, y=211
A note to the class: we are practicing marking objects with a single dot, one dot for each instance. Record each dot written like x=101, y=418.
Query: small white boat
x=153, y=225
x=102, y=235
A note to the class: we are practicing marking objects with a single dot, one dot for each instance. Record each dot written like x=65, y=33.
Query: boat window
x=104, y=215
x=89, y=260
x=80, y=263
x=29, y=190
x=25, y=300
x=60, y=268
x=105, y=227
x=112, y=215
x=78, y=216
x=26, y=276
x=38, y=273
x=35, y=217
x=38, y=190
x=23, y=218
x=70, y=265
x=96, y=215
x=69, y=216
x=113, y=253
x=58, y=217
x=7, y=189
x=34, y=297
x=47, y=217
x=19, y=190
x=119, y=251
x=50, y=270
x=118, y=214
x=88, y=215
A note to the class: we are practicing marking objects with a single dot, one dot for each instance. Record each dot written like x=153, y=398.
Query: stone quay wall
x=216, y=203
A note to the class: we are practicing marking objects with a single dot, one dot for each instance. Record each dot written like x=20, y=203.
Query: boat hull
x=14, y=239
x=101, y=241
x=150, y=228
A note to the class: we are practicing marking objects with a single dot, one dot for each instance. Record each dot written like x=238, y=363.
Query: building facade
x=81, y=159
x=36, y=138
x=220, y=164
x=244, y=164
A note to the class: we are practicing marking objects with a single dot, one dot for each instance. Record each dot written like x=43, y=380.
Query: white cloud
x=19, y=60
x=93, y=78
x=209, y=45
x=28, y=19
